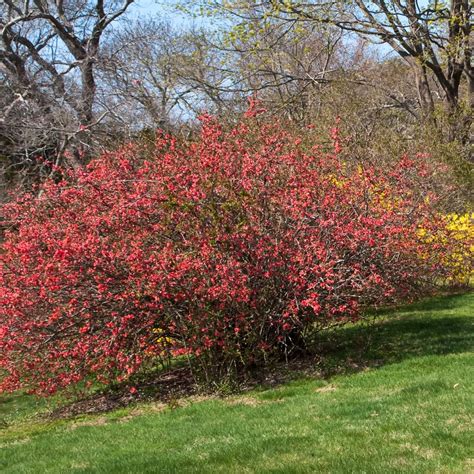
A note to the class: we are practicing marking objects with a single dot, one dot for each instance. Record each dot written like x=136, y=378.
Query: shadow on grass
x=437, y=326
x=443, y=302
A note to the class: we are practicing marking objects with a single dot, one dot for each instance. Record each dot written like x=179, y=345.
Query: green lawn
x=404, y=403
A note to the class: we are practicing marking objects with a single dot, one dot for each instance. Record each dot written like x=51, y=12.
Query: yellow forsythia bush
x=456, y=237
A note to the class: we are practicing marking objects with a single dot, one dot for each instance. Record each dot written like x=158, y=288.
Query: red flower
x=176, y=251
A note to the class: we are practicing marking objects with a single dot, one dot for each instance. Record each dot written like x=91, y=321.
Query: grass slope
x=403, y=405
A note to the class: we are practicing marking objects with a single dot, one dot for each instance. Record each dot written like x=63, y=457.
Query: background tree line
x=81, y=76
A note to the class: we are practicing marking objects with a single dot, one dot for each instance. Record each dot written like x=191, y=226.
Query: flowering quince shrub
x=226, y=249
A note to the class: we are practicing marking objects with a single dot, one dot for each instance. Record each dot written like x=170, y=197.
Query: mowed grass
x=396, y=397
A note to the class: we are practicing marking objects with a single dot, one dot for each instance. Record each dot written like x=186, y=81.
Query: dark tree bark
x=48, y=60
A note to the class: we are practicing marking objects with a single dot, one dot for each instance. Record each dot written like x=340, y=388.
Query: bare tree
x=433, y=38
x=288, y=65
x=148, y=74
x=48, y=59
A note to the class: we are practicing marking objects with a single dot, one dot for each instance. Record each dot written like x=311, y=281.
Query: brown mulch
x=175, y=384
x=168, y=386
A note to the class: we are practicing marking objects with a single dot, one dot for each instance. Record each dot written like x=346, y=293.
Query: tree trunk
x=424, y=91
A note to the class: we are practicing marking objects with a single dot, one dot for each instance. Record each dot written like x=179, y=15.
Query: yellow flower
x=458, y=238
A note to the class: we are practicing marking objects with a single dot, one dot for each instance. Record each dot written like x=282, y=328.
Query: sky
x=146, y=8
x=165, y=10
x=160, y=9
